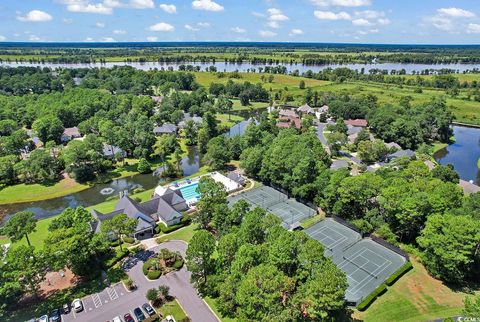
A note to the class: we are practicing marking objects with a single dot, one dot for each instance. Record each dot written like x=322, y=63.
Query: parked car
x=147, y=308
x=77, y=305
x=128, y=318
x=139, y=314
x=55, y=316
x=43, y=318
x=117, y=319
x=66, y=308
x=170, y=318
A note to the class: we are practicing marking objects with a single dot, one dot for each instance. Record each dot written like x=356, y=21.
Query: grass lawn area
x=414, y=297
x=172, y=308
x=237, y=106
x=213, y=305
x=309, y=222
x=35, y=192
x=185, y=234
x=229, y=120
x=36, y=238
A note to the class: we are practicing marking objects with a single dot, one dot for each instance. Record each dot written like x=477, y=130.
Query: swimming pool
x=190, y=192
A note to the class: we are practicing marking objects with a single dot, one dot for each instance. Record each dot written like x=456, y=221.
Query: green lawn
x=213, y=305
x=309, y=222
x=229, y=120
x=414, y=297
x=185, y=234
x=173, y=308
x=35, y=192
x=36, y=238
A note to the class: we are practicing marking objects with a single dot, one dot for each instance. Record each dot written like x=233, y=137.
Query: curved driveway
x=179, y=283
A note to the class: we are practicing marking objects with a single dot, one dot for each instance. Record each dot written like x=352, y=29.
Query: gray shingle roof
x=167, y=128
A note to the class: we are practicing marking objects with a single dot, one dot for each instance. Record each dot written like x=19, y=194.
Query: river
x=245, y=67
x=100, y=192
x=463, y=154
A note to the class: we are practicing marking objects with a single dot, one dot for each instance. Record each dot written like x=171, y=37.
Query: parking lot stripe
x=112, y=292
x=96, y=300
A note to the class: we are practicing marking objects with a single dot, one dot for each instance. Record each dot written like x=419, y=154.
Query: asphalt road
x=117, y=301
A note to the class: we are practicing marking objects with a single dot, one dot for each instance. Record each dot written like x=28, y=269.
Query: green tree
x=450, y=246
x=301, y=85
x=218, y=153
x=199, y=256
x=262, y=293
x=190, y=131
x=7, y=170
x=213, y=196
x=20, y=225
x=224, y=105
x=144, y=166
x=27, y=266
x=48, y=128
x=119, y=226
x=446, y=173
x=251, y=160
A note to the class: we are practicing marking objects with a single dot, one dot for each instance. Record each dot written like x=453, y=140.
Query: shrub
x=369, y=299
x=146, y=266
x=129, y=284
x=395, y=276
x=178, y=264
x=119, y=255
x=144, y=166
x=153, y=275
x=129, y=240
x=164, y=229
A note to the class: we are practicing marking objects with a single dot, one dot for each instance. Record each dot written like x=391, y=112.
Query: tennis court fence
x=347, y=224
x=393, y=248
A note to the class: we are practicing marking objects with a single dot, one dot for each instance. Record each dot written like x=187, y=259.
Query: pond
x=245, y=67
x=463, y=154
x=100, y=192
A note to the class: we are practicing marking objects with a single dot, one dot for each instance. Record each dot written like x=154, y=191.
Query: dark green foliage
x=144, y=166
x=370, y=298
x=446, y=173
x=153, y=275
x=399, y=273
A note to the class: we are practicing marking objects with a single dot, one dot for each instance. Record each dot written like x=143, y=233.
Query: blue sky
x=350, y=21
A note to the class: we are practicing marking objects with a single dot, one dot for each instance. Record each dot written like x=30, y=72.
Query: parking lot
x=97, y=301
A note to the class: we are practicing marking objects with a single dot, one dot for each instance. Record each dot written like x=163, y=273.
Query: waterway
x=463, y=154
x=100, y=192
x=248, y=67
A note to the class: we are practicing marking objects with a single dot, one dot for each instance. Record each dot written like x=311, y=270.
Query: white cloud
x=276, y=15
x=191, y=28
x=35, y=16
x=473, y=28
x=273, y=24
x=238, y=30
x=135, y=4
x=456, y=13
x=203, y=24
x=67, y=21
x=100, y=25
x=267, y=33
x=341, y=3
x=207, y=5
x=441, y=23
x=119, y=32
x=383, y=21
x=296, y=32
x=329, y=15
x=152, y=38
x=361, y=22
x=89, y=39
x=83, y=7
x=374, y=31
x=258, y=14
x=107, y=39
x=3, y=38
x=161, y=26
x=168, y=8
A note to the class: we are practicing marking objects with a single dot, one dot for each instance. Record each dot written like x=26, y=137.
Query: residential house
x=401, y=154
x=70, y=133
x=357, y=122
x=111, y=151
x=339, y=164
x=166, y=128
x=186, y=117
x=238, y=178
x=287, y=122
x=287, y=114
x=306, y=109
x=393, y=145
x=165, y=209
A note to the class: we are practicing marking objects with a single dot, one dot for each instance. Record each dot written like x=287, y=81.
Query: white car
x=170, y=318
x=43, y=318
x=117, y=319
x=77, y=305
